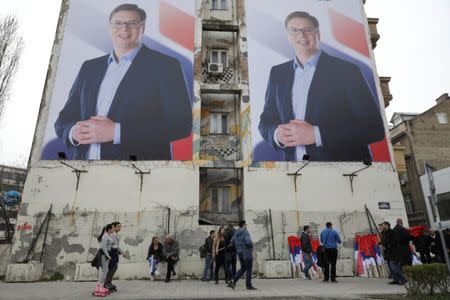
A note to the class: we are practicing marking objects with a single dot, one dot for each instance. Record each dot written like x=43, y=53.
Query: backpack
x=202, y=251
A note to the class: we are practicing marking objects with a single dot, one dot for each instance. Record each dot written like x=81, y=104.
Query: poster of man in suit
x=123, y=88
x=315, y=96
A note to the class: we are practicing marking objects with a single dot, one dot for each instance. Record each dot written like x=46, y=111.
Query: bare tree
x=11, y=45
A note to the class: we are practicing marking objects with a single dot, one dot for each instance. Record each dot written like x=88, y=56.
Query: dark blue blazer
x=339, y=102
x=152, y=105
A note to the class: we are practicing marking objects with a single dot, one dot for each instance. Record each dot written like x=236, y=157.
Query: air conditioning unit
x=215, y=68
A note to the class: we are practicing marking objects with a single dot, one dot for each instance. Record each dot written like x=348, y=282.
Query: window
x=220, y=57
x=408, y=204
x=219, y=4
x=444, y=206
x=220, y=199
x=218, y=123
x=442, y=118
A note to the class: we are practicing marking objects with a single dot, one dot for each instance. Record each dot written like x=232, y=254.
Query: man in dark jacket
x=386, y=243
x=244, y=247
x=171, y=254
x=209, y=263
x=307, y=250
x=230, y=251
x=401, y=254
x=422, y=244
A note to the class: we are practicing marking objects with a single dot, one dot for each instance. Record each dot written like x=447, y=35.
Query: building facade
x=424, y=138
x=11, y=179
x=221, y=182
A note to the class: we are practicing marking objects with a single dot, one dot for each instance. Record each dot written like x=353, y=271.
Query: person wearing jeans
x=305, y=241
x=397, y=274
x=329, y=239
x=244, y=247
x=155, y=256
x=171, y=253
x=115, y=252
x=209, y=262
x=230, y=251
x=401, y=253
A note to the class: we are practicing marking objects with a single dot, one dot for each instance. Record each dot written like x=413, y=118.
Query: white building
x=174, y=198
x=442, y=185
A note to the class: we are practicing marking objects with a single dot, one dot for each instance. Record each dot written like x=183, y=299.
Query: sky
x=413, y=50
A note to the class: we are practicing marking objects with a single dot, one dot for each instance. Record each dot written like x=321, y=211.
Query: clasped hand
x=295, y=133
x=97, y=129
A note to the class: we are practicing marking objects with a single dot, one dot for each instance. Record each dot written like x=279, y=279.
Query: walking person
x=423, y=246
x=230, y=251
x=219, y=254
x=386, y=244
x=155, y=256
x=244, y=247
x=436, y=247
x=330, y=240
x=401, y=254
x=106, y=242
x=171, y=252
x=209, y=262
x=115, y=252
x=307, y=250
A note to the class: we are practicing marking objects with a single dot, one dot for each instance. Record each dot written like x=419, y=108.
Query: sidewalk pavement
x=346, y=288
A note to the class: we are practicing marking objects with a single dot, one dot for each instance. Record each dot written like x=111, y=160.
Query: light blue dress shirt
x=330, y=238
x=300, y=89
x=108, y=88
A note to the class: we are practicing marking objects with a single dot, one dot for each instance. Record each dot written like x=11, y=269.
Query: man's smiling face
x=303, y=36
x=126, y=30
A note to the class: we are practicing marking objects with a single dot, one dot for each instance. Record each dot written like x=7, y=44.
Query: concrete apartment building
x=221, y=182
x=423, y=137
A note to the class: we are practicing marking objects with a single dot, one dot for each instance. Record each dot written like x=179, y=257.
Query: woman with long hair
x=155, y=256
x=106, y=242
x=219, y=253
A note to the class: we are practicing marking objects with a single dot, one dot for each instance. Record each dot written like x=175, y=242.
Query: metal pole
x=168, y=220
x=33, y=243
x=373, y=221
x=441, y=233
x=368, y=219
x=271, y=229
x=434, y=203
x=46, y=231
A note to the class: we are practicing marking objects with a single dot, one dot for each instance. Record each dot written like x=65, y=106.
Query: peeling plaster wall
x=323, y=194
x=5, y=252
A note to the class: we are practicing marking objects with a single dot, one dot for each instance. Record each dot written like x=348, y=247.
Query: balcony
x=387, y=96
x=374, y=36
x=219, y=147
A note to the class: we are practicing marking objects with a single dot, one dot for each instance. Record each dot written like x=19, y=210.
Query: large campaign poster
x=124, y=82
x=313, y=87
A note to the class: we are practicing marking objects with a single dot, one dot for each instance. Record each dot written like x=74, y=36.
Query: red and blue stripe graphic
x=179, y=27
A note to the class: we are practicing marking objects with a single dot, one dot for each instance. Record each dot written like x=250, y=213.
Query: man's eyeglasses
x=129, y=24
x=297, y=31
